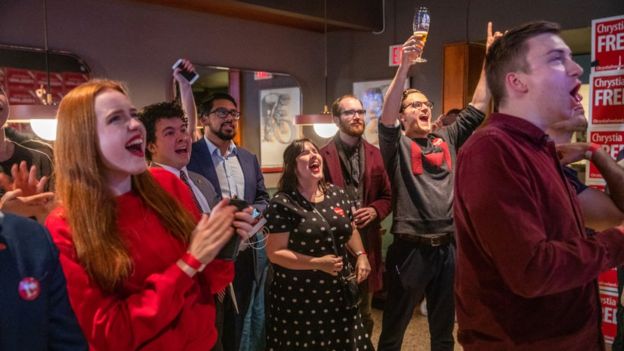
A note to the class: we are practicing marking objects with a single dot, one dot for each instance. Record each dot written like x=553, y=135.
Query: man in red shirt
x=526, y=271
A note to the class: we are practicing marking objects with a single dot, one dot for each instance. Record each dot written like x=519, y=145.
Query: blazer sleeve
x=64, y=331
x=262, y=196
x=383, y=202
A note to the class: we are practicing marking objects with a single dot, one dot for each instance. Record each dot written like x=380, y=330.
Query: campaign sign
x=611, y=140
x=608, y=43
x=607, y=97
x=607, y=282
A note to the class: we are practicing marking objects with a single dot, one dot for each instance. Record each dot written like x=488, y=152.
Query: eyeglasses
x=419, y=104
x=351, y=113
x=223, y=113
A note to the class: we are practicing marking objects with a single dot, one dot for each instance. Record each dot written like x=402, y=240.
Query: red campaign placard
x=72, y=80
x=22, y=97
x=19, y=79
x=608, y=43
x=607, y=283
x=56, y=80
x=612, y=141
x=607, y=97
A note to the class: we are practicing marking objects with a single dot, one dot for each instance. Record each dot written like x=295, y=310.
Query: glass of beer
x=421, y=30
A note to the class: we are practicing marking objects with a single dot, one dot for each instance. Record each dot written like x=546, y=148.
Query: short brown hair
x=408, y=92
x=508, y=54
x=335, y=107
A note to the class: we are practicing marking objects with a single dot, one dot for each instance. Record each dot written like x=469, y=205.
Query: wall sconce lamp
x=42, y=119
x=322, y=123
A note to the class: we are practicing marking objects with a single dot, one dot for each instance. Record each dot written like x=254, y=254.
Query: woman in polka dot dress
x=307, y=309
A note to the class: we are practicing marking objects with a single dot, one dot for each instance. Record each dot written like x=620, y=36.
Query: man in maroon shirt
x=526, y=271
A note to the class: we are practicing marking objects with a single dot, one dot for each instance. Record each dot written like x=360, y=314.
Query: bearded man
x=235, y=172
x=356, y=165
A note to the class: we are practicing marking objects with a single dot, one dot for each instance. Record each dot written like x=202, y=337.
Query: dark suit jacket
x=47, y=322
x=202, y=184
x=250, y=265
x=255, y=192
x=206, y=188
x=376, y=194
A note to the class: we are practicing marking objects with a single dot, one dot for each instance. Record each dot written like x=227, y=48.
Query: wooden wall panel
x=462, y=67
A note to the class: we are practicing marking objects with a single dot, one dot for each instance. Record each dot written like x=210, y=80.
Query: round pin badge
x=29, y=288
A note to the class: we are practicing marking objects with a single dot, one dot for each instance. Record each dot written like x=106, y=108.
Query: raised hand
x=23, y=179
x=491, y=37
x=177, y=75
x=413, y=47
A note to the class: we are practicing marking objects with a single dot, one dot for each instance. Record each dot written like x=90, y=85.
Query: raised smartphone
x=190, y=76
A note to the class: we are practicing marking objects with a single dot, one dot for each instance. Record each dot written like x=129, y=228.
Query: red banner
x=608, y=43
x=607, y=283
x=607, y=97
x=611, y=140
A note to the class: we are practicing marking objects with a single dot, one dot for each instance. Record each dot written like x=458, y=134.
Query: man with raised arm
x=421, y=259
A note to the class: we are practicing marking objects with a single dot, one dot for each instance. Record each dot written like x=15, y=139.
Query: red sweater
x=159, y=307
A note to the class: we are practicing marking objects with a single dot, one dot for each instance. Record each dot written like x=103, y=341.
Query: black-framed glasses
x=419, y=104
x=351, y=113
x=223, y=113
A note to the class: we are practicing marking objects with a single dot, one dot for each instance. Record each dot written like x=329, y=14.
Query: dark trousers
x=416, y=271
x=243, y=280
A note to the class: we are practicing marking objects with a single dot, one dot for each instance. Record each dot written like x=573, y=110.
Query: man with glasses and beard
x=235, y=172
x=356, y=165
x=421, y=259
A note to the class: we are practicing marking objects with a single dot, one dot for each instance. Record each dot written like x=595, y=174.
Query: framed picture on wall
x=278, y=108
x=372, y=93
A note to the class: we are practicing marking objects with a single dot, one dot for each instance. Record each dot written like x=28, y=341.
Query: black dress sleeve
x=280, y=214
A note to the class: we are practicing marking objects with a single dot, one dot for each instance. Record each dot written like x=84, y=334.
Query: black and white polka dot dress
x=306, y=309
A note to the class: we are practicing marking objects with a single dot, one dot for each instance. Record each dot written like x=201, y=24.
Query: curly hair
x=151, y=114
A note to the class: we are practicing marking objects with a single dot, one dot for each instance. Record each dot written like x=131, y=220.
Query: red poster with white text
x=607, y=282
x=608, y=43
x=607, y=97
x=612, y=140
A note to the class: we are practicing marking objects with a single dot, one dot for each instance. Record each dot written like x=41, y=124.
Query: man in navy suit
x=34, y=309
x=234, y=171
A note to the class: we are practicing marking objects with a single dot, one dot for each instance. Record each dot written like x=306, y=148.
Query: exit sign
x=261, y=75
x=394, y=55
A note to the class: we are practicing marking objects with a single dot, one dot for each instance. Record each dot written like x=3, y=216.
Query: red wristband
x=360, y=253
x=591, y=149
x=194, y=263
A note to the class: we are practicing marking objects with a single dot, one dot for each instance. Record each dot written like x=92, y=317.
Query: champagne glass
x=421, y=30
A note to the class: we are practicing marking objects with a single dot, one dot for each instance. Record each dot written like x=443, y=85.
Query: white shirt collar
x=213, y=148
x=173, y=169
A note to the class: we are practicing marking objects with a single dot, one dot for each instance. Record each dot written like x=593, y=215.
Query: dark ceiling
x=362, y=15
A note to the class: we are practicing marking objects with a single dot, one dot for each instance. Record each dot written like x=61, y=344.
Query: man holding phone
x=235, y=172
